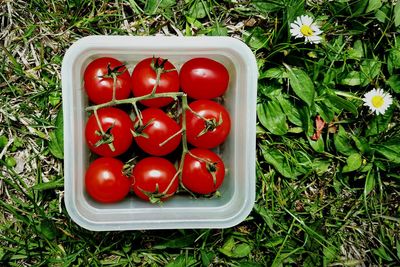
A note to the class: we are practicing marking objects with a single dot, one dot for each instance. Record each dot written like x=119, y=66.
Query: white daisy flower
x=377, y=100
x=304, y=27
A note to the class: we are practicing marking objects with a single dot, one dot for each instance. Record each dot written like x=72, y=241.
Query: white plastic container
x=238, y=152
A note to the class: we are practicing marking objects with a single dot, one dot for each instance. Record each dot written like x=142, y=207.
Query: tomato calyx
x=155, y=197
x=159, y=69
x=106, y=138
x=113, y=72
x=139, y=127
x=128, y=167
x=210, y=124
x=212, y=169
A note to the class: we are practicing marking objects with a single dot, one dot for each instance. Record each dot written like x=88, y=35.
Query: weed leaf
x=280, y=162
x=290, y=110
x=369, y=182
x=353, y=163
x=301, y=84
x=56, y=142
x=394, y=82
x=342, y=142
x=272, y=117
x=266, y=6
x=179, y=242
x=373, y=5
x=397, y=18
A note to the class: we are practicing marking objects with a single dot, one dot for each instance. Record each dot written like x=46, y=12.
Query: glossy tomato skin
x=159, y=127
x=100, y=89
x=203, y=78
x=121, y=125
x=152, y=173
x=143, y=80
x=196, y=175
x=195, y=125
x=105, y=181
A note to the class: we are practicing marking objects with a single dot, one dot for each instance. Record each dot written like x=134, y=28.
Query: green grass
x=332, y=202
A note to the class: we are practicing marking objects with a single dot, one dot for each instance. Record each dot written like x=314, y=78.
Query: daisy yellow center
x=377, y=101
x=306, y=30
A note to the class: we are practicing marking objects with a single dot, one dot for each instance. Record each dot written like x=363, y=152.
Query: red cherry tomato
x=154, y=178
x=203, y=173
x=98, y=81
x=144, y=77
x=210, y=127
x=154, y=132
x=203, y=78
x=105, y=181
x=117, y=126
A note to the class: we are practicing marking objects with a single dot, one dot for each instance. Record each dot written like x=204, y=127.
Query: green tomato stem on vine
x=159, y=71
x=114, y=92
x=133, y=100
x=170, y=137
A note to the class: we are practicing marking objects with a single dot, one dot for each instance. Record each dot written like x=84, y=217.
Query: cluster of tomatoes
x=195, y=127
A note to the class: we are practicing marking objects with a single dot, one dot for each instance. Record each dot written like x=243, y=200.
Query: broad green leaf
x=182, y=261
x=56, y=140
x=241, y=250
x=267, y=6
x=342, y=142
x=379, y=123
x=274, y=73
x=353, y=78
x=55, y=98
x=199, y=9
x=206, y=257
x=49, y=185
x=330, y=254
x=256, y=38
x=373, y=5
x=317, y=145
x=194, y=22
x=178, y=242
x=361, y=143
x=398, y=247
x=394, y=82
x=306, y=120
x=357, y=52
x=360, y=7
x=234, y=250
x=330, y=77
x=370, y=69
x=301, y=84
x=265, y=214
x=218, y=30
x=342, y=103
x=369, y=182
x=47, y=229
x=10, y=161
x=393, y=61
x=353, y=163
x=280, y=162
x=326, y=113
x=397, y=17
x=273, y=242
x=272, y=117
x=390, y=150
x=152, y=5
x=269, y=89
x=3, y=141
x=290, y=110
x=381, y=252
x=320, y=166
x=381, y=15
